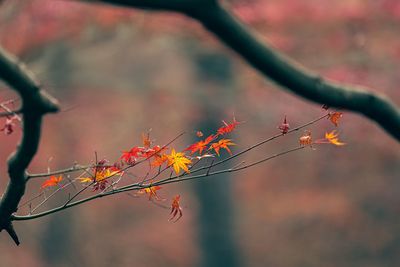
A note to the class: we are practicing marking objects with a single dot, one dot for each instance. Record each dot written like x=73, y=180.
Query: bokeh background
x=119, y=72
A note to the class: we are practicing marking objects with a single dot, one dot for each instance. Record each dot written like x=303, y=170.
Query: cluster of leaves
x=105, y=178
x=330, y=138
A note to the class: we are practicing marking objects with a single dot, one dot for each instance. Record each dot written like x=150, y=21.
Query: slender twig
x=261, y=143
x=184, y=176
x=137, y=186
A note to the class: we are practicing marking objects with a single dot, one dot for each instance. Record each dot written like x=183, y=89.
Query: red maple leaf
x=52, y=181
x=130, y=156
x=201, y=145
x=228, y=127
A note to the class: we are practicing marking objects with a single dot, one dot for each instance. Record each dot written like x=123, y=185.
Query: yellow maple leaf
x=100, y=176
x=178, y=161
x=332, y=138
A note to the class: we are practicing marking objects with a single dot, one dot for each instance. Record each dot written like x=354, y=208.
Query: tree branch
x=275, y=65
x=35, y=103
x=183, y=6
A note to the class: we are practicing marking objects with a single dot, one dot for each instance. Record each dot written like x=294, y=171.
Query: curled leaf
x=176, y=208
x=284, y=127
x=334, y=117
x=306, y=139
x=228, y=127
x=146, y=139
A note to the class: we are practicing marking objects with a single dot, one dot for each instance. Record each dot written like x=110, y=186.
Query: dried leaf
x=146, y=140
x=306, y=139
x=175, y=208
x=334, y=117
x=284, y=127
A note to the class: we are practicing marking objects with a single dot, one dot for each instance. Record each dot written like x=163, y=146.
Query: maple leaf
x=86, y=179
x=151, y=191
x=334, y=117
x=100, y=179
x=175, y=208
x=199, y=134
x=52, y=181
x=178, y=161
x=146, y=140
x=159, y=160
x=131, y=156
x=332, y=138
x=306, y=139
x=223, y=143
x=155, y=151
x=201, y=145
x=284, y=127
x=227, y=128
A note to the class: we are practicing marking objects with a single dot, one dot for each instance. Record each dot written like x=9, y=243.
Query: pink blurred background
x=119, y=72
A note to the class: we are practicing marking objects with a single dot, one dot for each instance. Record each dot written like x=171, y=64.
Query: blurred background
x=119, y=72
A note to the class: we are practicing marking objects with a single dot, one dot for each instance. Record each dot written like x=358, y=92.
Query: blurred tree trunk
x=216, y=213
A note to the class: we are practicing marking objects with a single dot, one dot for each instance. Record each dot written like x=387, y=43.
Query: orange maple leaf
x=151, y=191
x=334, y=117
x=201, y=145
x=159, y=160
x=52, y=181
x=228, y=127
x=223, y=143
x=175, y=208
